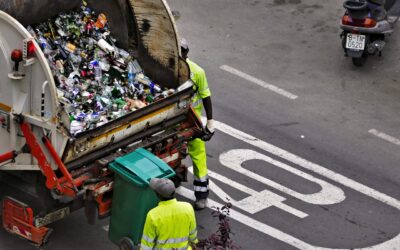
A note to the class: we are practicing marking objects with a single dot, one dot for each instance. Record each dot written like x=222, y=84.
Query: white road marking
x=394, y=243
x=385, y=137
x=252, y=223
x=106, y=228
x=256, y=202
x=277, y=234
x=307, y=164
x=327, y=195
x=259, y=82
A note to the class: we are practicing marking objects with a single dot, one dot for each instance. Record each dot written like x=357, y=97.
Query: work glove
x=209, y=130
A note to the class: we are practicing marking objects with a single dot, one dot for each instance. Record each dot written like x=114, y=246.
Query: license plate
x=355, y=42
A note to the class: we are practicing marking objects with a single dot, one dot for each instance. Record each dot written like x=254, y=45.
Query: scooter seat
x=354, y=5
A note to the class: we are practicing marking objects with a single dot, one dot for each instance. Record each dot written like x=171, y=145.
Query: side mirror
x=176, y=14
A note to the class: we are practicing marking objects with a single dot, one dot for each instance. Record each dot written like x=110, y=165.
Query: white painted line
x=252, y=223
x=307, y=164
x=259, y=82
x=276, y=233
x=328, y=194
x=385, y=137
x=256, y=202
x=393, y=243
x=231, y=183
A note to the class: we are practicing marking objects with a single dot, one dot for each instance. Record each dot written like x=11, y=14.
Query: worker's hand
x=210, y=126
x=209, y=130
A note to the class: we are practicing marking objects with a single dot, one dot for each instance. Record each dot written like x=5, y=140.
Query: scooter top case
x=356, y=9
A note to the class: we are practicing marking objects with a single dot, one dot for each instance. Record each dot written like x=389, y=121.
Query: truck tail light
x=16, y=57
x=29, y=49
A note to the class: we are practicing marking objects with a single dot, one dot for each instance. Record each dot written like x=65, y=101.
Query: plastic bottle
x=45, y=46
x=146, y=81
x=98, y=74
x=105, y=46
x=137, y=67
x=124, y=54
x=131, y=73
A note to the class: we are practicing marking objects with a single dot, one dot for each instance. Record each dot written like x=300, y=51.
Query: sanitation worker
x=170, y=225
x=197, y=147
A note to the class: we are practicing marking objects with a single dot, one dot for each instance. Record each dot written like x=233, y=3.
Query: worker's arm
x=210, y=129
x=205, y=94
x=208, y=107
x=149, y=236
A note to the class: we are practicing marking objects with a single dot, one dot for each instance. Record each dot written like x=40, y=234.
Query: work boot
x=200, y=204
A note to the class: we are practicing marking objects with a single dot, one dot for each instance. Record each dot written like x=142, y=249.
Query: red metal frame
x=8, y=156
x=18, y=219
x=104, y=205
x=58, y=161
x=63, y=186
x=35, y=149
x=99, y=193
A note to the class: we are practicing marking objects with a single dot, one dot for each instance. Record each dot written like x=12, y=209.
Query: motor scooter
x=365, y=25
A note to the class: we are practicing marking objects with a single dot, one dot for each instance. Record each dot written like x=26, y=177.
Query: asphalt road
x=303, y=173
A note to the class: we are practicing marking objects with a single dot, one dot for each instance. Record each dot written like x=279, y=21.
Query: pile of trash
x=97, y=82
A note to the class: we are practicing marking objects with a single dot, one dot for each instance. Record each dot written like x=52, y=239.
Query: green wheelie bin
x=132, y=196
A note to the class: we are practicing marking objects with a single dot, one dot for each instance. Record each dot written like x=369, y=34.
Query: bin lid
x=140, y=166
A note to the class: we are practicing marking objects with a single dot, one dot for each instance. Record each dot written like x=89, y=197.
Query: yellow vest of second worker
x=170, y=225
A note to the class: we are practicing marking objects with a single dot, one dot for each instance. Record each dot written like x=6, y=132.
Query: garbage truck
x=46, y=172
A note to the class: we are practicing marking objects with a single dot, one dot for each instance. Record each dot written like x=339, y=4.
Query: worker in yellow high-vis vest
x=197, y=147
x=170, y=225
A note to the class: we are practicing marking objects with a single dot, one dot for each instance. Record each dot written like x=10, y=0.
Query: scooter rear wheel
x=360, y=61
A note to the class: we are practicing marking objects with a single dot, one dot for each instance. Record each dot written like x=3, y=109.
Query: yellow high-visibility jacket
x=170, y=225
x=198, y=76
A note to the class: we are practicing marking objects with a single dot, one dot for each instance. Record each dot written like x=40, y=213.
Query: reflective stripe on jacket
x=170, y=225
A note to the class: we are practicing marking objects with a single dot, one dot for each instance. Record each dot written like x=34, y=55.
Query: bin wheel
x=126, y=244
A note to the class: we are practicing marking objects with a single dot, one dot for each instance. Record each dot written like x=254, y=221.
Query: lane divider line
x=384, y=136
x=259, y=82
